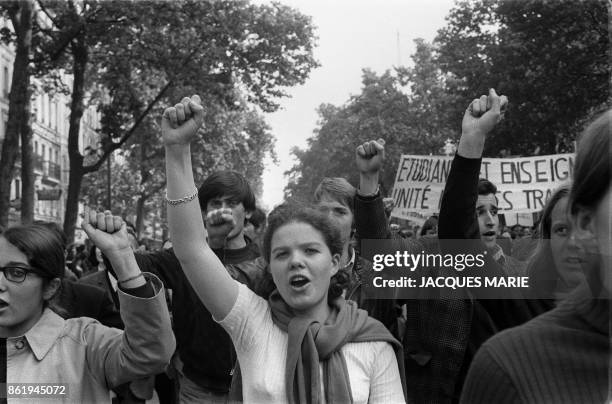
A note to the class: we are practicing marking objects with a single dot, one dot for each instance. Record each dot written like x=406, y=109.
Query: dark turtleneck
x=562, y=356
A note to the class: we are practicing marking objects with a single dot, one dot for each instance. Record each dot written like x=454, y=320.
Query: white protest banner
x=523, y=184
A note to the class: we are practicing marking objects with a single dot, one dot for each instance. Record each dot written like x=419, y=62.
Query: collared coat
x=88, y=358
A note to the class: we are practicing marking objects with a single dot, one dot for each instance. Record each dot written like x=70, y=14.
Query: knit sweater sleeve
x=385, y=384
x=488, y=382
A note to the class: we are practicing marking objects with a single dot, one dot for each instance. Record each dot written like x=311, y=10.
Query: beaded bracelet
x=131, y=278
x=184, y=199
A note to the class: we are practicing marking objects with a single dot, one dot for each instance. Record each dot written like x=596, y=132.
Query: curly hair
x=299, y=213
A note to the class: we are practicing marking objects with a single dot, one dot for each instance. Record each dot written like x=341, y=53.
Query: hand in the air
x=483, y=114
x=108, y=232
x=370, y=156
x=181, y=122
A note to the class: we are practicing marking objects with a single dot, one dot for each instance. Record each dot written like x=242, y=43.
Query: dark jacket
x=441, y=335
x=100, y=281
x=483, y=317
x=436, y=330
x=205, y=349
x=82, y=300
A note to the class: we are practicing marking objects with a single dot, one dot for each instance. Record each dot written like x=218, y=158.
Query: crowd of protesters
x=240, y=306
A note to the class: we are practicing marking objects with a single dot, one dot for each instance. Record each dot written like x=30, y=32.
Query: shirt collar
x=351, y=262
x=45, y=332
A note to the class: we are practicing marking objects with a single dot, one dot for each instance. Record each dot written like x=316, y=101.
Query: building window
x=39, y=108
x=45, y=119
x=5, y=81
x=17, y=189
x=50, y=114
x=54, y=115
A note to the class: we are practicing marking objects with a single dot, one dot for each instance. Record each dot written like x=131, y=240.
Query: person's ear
x=51, y=288
x=353, y=231
x=335, y=264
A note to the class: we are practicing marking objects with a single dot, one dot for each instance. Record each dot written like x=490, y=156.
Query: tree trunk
x=79, y=52
x=27, y=166
x=140, y=214
x=21, y=17
x=144, y=175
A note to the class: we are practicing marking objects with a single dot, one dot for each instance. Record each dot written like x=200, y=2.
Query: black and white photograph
x=305, y=201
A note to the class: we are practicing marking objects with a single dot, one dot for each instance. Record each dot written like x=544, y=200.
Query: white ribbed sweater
x=262, y=352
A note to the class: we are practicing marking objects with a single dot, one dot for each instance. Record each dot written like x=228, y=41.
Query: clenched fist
x=181, y=122
x=370, y=156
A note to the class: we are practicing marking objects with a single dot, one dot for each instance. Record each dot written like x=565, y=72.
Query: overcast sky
x=353, y=34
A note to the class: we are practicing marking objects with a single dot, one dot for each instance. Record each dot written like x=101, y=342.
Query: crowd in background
x=234, y=288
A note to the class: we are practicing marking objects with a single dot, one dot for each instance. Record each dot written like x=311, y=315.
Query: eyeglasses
x=18, y=272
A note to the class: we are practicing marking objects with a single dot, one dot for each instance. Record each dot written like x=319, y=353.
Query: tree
x=236, y=139
x=551, y=58
x=20, y=13
x=407, y=108
x=210, y=47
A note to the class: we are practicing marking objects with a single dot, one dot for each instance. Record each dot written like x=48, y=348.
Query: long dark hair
x=42, y=246
x=592, y=179
x=44, y=250
x=299, y=213
x=543, y=274
x=592, y=165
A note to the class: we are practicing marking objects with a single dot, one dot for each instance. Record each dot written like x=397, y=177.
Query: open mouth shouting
x=3, y=305
x=299, y=282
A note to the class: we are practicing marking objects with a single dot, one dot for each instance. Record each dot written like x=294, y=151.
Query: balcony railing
x=54, y=170
x=38, y=162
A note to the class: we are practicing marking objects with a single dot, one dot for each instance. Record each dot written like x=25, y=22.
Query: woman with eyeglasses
x=80, y=357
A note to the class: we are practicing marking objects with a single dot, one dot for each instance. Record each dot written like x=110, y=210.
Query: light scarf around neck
x=310, y=342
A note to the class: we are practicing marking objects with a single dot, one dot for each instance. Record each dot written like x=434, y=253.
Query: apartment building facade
x=50, y=124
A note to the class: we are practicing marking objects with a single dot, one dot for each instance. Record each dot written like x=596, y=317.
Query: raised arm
x=479, y=119
x=147, y=344
x=214, y=286
x=458, y=218
x=109, y=234
x=370, y=218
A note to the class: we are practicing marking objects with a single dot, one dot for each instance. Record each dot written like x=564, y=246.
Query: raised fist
x=370, y=156
x=108, y=232
x=483, y=114
x=219, y=223
x=181, y=122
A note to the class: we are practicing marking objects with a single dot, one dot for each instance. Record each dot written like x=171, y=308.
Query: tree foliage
x=405, y=108
x=551, y=58
x=134, y=57
x=232, y=139
x=20, y=14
